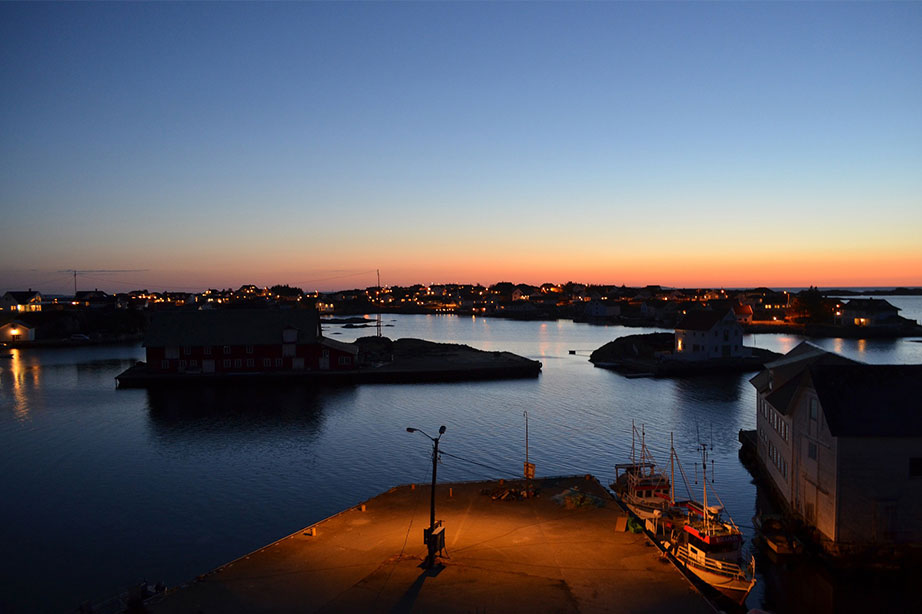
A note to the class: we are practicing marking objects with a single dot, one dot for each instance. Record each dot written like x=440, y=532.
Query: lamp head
x=410, y=429
x=442, y=430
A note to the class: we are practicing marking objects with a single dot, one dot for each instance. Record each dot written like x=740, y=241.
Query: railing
x=723, y=568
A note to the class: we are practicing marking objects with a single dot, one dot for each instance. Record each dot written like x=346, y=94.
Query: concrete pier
x=563, y=551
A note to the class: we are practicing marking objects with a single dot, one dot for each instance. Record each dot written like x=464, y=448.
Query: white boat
x=709, y=546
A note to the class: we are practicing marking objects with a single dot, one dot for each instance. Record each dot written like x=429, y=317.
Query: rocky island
x=654, y=355
x=379, y=360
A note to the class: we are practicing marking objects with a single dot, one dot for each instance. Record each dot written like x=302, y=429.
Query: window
x=193, y=363
x=915, y=467
x=227, y=349
x=251, y=362
x=182, y=364
x=288, y=349
x=238, y=362
x=345, y=360
x=813, y=408
x=227, y=363
x=207, y=350
x=811, y=450
x=279, y=362
x=267, y=362
x=164, y=364
x=249, y=349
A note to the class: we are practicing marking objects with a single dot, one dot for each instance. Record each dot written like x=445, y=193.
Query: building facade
x=21, y=301
x=841, y=442
x=706, y=335
x=224, y=341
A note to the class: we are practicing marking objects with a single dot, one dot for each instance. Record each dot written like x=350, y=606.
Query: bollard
x=363, y=507
x=450, y=493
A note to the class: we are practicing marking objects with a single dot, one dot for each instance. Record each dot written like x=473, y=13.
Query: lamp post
x=430, y=542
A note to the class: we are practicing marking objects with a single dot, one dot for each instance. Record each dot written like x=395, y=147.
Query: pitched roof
x=870, y=305
x=780, y=372
x=861, y=400
x=231, y=327
x=701, y=320
x=742, y=310
x=22, y=297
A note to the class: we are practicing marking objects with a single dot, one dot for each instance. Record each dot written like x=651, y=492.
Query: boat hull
x=727, y=578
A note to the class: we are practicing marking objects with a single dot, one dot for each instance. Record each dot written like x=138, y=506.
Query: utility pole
x=435, y=540
x=378, y=318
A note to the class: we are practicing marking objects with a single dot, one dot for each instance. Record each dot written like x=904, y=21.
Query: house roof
x=780, y=372
x=870, y=305
x=861, y=400
x=742, y=310
x=701, y=320
x=22, y=297
x=231, y=327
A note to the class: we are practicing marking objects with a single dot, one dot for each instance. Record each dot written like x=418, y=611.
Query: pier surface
x=561, y=551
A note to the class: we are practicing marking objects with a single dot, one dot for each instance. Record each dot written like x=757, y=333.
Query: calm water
x=102, y=488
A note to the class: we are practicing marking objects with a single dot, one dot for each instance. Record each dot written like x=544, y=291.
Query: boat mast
x=704, y=475
x=671, y=469
x=633, y=436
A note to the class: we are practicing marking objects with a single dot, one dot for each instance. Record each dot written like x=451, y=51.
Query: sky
x=714, y=144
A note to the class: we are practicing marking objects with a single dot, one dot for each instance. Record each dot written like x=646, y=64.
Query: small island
x=704, y=342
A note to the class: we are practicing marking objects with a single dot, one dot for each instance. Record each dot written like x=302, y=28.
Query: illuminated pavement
x=543, y=554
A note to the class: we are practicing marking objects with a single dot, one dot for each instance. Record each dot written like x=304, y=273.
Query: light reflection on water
x=103, y=488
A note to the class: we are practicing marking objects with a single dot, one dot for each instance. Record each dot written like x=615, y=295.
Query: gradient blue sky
x=693, y=144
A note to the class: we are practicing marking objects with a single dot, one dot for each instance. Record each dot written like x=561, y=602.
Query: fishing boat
x=709, y=546
x=639, y=485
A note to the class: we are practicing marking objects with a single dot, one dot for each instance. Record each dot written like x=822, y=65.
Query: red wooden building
x=243, y=341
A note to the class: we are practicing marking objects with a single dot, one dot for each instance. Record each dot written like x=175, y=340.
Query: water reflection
x=261, y=411
x=15, y=382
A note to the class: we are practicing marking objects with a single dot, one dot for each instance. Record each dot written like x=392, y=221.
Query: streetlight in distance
x=430, y=537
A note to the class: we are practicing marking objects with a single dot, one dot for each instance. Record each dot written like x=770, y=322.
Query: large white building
x=705, y=335
x=841, y=442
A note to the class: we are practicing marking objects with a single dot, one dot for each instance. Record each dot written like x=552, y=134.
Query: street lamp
x=430, y=537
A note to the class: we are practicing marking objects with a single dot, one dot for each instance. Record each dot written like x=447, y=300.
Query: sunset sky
x=693, y=144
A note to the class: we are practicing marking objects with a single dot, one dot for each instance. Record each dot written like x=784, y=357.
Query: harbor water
x=103, y=488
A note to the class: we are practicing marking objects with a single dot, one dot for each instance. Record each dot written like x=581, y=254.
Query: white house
x=869, y=312
x=841, y=442
x=705, y=335
x=20, y=301
x=602, y=309
x=15, y=331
